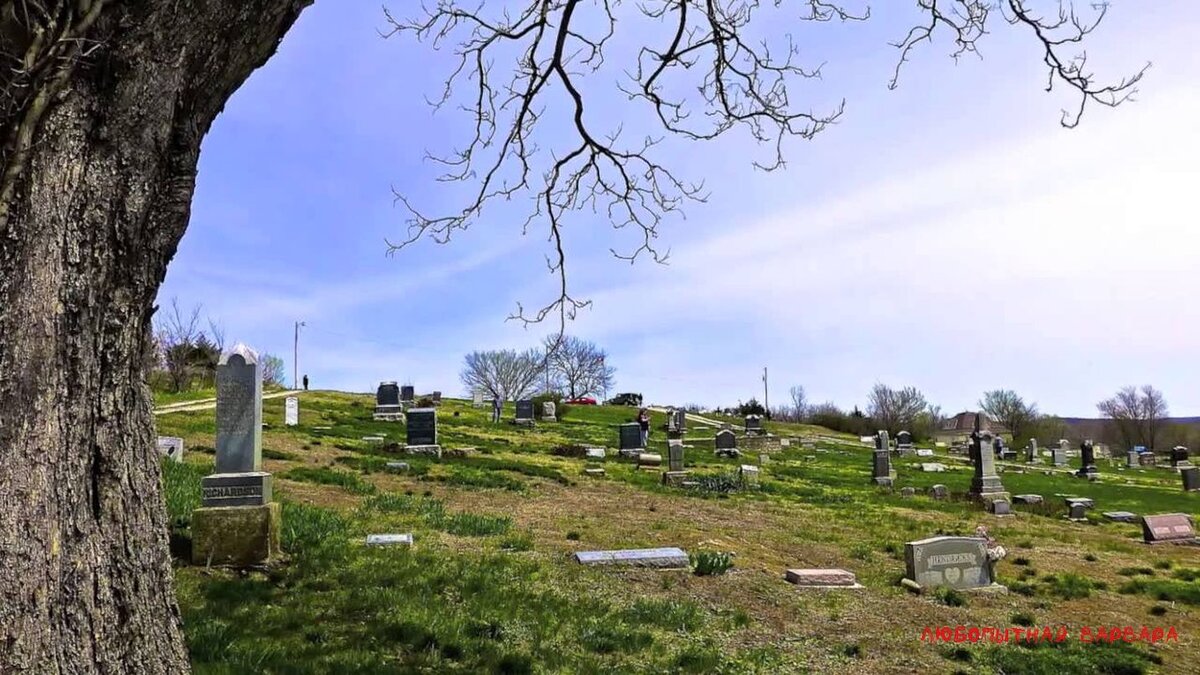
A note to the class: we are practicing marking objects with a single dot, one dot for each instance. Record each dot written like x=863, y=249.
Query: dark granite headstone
x=904, y=439
x=407, y=394
x=388, y=394
x=1191, y=478
x=725, y=440
x=1087, y=460
x=680, y=421
x=525, y=409
x=1168, y=528
x=881, y=473
x=957, y=562
x=630, y=436
x=421, y=427
x=239, y=412
x=753, y=424
x=1031, y=451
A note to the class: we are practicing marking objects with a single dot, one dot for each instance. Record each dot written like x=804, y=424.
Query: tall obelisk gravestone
x=237, y=524
x=985, y=485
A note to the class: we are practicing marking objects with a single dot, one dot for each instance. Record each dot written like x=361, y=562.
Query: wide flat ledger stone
x=1027, y=499
x=389, y=539
x=593, y=472
x=658, y=558
x=434, y=450
x=1120, y=516
x=827, y=578
x=397, y=466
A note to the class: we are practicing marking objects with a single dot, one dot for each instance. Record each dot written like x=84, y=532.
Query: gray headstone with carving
x=239, y=411
x=630, y=436
x=957, y=562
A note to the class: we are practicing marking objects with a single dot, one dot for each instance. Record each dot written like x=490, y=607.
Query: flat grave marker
x=657, y=558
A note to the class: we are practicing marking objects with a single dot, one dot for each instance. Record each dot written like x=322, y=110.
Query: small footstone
x=1120, y=516
x=397, y=466
x=593, y=472
x=1027, y=499
x=828, y=578
x=907, y=492
x=389, y=539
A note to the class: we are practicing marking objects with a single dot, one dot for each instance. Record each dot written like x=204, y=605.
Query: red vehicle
x=582, y=400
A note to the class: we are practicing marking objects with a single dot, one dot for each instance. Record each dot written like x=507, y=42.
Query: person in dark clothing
x=306, y=383
x=643, y=420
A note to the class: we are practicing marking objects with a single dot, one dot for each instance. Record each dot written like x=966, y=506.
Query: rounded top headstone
x=245, y=355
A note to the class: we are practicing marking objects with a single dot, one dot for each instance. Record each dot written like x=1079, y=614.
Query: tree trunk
x=105, y=106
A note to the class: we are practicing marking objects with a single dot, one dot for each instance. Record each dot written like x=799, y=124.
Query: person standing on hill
x=306, y=383
x=643, y=420
x=497, y=404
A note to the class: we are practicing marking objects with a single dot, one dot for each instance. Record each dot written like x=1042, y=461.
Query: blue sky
x=947, y=235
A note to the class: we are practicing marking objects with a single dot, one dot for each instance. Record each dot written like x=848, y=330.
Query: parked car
x=582, y=400
x=626, y=399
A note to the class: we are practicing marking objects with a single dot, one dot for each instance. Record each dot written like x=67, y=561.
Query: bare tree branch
x=557, y=45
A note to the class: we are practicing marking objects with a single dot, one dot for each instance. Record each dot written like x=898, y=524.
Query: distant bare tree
x=895, y=409
x=273, y=370
x=216, y=334
x=1011, y=411
x=505, y=373
x=1137, y=417
x=799, y=403
x=578, y=366
x=176, y=334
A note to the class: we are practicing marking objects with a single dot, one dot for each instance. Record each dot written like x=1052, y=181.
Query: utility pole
x=296, y=354
x=766, y=401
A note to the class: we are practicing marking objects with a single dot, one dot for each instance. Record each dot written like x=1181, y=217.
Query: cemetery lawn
x=490, y=584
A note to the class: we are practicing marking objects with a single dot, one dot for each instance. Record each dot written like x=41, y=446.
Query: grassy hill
x=490, y=586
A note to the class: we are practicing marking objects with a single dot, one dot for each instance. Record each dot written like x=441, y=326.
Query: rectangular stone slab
x=1027, y=499
x=235, y=536
x=1120, y=516
x=389, y=539
x=828, y=578
x=236, y=489
x=958, y=562
x=1168, y=528
x=659, y=558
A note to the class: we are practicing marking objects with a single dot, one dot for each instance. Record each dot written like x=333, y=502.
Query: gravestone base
x=593, y=471
x=250, y=488
x=674, y=478
x=822, y=578
x=235, y=536
x=883, y=481
x=525, y=423
x=432, y=450
x=388, y=413
x=630, y=453
x=728, y=452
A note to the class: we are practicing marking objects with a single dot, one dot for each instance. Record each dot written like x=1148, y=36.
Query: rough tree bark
x=103, y=106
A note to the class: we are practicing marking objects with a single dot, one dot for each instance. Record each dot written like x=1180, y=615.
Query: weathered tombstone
x=237, y=523
x=674, y=478
x=436, y=397
x=881, y=464
x=1179, y=457
x=1027, y=499
x=680, y=421
x=1087, y=461
x=1131, y=459
x=1120, y=516
x=726, y=443
x=830, y=578
x=985, y=484
x=933, y=467
x=908, y=492
x=660, y=558
x=630, y=438
x=1191, y=478
x=524, y=411
x=675, y=455
x=939, y=491
x=1168, y=528
x=748, y=474
x=171, y=447
x=548, y=411
x=1031, y=452
x=1000, y=507
x=477, y=398
x=387, y=403
x=1058, y=455
x=594, y=453
x=407, y=394
x=397, y=467
x=1078, y=508
x=753, y=425
x=593, y=471
x=421, y=430
x=904, y=442
x=881, y=440
x=291, y=411
x=924, y=452
x=958, y=562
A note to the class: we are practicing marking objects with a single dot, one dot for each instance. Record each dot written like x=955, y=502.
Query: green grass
x=488, y=587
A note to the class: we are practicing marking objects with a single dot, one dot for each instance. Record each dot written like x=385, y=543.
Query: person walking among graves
x=306, y=383
x=643, y=420
x=497, y=404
